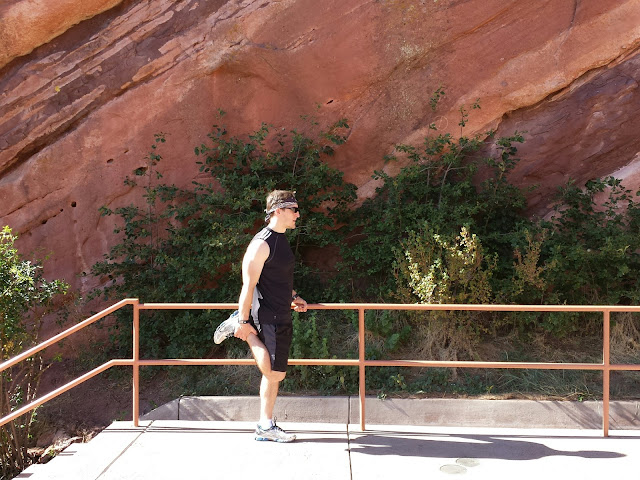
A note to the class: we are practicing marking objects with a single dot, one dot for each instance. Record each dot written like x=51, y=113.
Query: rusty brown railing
x=361, y=362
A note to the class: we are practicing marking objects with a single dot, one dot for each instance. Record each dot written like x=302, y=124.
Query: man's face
x=290, y=215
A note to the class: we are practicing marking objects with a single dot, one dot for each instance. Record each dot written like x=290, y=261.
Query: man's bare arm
x=252, y=263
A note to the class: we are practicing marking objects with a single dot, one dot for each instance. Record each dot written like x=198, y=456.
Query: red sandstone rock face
x=85, y=85
x=25, y=25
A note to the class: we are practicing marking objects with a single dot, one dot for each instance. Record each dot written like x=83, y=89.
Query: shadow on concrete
x=582, y=417
x=417, y=444
x=470, y=446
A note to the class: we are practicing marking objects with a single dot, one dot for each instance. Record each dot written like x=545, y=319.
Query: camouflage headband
x=288, y=202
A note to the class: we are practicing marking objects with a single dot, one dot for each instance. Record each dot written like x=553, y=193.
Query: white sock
x=265, y=424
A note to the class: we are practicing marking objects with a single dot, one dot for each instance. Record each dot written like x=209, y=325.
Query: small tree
x=25, y=296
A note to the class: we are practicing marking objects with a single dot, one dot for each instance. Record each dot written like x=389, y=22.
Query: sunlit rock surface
x=85, y=85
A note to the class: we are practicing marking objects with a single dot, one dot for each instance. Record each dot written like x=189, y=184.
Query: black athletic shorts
x=277, y=338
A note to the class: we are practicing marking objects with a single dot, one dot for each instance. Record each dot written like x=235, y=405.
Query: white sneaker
x=227, y=328
x=273, y=434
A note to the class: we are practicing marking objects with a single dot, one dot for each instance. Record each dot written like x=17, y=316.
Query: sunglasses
x=293, y=209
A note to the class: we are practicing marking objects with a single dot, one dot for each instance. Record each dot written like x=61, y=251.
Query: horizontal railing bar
x=473, y=307
x=58, y=391
x=244, y=361
x=188, y=306
x=387, y=363
x=412, y=307
x=32, y=351
x=328, y=362
x=196, y=361
x=620, y=367
x=471, y=364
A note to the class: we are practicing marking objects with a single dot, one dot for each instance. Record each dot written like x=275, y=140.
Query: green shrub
x=25, y=296
x=440, y=186
x=594, y=244
x=187, y=245
x=314, y=334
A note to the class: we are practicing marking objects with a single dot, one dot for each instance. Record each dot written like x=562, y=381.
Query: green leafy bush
x=439, y=187
x=186, y=245
x=315, y=333
x=594, y=245
x=25, y=296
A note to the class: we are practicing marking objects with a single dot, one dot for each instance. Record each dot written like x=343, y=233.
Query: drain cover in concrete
x=453, y=469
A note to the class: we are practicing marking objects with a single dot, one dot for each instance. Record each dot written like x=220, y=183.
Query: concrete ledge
x=624, y=415
x=168, y=411
x=245, y=409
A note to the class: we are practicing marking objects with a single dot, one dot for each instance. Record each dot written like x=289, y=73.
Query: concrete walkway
x=214, y=449
x=178, y=449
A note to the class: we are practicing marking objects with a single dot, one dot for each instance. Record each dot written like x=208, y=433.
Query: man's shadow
x=463, y=446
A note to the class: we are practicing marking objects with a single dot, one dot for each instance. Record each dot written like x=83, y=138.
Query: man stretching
x=263, y=319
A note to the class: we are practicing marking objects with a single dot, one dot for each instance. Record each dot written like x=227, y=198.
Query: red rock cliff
x=85, y=85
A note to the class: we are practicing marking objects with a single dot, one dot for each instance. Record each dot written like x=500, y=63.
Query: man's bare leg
x=271, y=379
x=268, y=394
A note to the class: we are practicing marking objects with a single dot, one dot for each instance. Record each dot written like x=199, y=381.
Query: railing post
x=136, y=364
x=361, y=358
x=606, y=370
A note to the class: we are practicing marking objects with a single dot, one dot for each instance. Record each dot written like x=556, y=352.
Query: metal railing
x=361, y=362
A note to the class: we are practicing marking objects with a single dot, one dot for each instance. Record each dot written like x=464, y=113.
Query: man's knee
x=275, y=376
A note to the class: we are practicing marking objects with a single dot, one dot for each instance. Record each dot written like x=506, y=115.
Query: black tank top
x=276, y=280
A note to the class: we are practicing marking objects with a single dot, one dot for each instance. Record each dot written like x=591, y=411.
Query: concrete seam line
x=349, y=436
x=125, y=449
